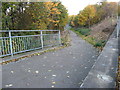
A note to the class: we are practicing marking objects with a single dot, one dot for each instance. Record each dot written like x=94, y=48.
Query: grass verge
x=84, y=34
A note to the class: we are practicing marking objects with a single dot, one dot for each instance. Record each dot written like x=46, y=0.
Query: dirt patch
x=104, y=29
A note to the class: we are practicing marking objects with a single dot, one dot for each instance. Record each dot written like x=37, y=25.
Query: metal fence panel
x=18, y=44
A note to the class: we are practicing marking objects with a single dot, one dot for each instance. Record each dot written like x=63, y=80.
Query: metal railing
x=13, y=44
x=118, y=26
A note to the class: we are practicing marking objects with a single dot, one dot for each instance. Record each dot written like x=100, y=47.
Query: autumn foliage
x=92, y=14
x=33, y=15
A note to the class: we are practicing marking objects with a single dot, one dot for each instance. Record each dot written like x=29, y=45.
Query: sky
x=74, y=6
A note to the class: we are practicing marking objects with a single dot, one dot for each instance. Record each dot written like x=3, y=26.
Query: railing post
x=117, y=31
x=117, y=27
x=41, y=37
x=59, y=36
x=11, y=47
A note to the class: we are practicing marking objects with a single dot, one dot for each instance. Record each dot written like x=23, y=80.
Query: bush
x=65, y=38
x=100, y=43
x=85, y=32
x=72, y=29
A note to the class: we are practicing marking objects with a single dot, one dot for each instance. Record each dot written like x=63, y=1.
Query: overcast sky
x=74, y=6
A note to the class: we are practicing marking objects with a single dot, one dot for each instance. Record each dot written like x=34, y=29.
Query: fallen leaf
x=9, y=85
x=54, y=75
x=67, y=71
x=29, y=71
x=53, y=82
x=36, y=71
x=68, y=76
x=49, y=70
x=52, y=86
x=12, y=71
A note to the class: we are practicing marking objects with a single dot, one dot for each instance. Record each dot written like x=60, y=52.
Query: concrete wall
x=103, y=72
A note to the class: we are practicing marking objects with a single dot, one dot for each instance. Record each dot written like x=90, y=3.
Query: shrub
x=85, y=32
x=100, y=43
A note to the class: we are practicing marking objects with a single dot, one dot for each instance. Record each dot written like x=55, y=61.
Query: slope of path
x=65, y=68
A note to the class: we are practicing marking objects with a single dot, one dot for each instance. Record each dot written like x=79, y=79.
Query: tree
x=37, y=16
x=85, y=16
x=58, y=16
x=93, y=14
x=7, y=15
x=33, y=15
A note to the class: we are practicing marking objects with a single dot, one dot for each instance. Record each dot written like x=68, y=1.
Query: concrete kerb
x=103, y=72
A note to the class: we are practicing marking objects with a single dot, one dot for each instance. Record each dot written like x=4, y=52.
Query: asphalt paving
x=64, y=68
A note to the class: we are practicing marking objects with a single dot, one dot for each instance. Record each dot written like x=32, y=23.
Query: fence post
x=117, y=31
x=117, y=27
x=11, y=47
x=59, y=36
x=41, y=37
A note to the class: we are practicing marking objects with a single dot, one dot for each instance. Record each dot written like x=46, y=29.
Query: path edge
x=103, y=72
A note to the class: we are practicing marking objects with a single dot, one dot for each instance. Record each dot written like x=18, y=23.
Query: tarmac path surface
x=64, y=68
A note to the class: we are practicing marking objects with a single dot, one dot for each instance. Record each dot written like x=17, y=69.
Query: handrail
x=25, y=30
x=13, y=44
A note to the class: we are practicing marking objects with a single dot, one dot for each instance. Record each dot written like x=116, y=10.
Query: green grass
x=100, y=43
x=83, y=33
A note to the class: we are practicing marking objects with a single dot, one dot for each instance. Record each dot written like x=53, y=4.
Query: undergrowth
x=84, y=34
